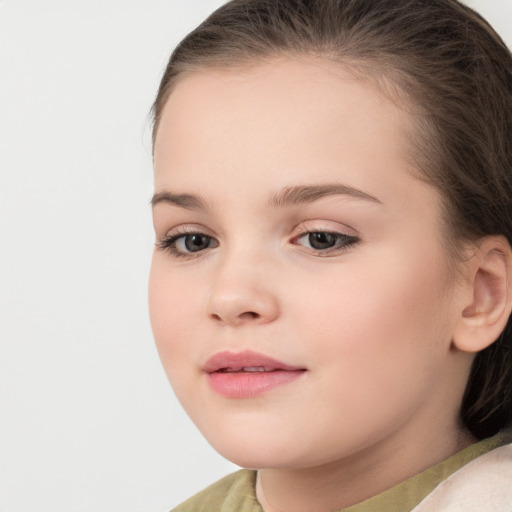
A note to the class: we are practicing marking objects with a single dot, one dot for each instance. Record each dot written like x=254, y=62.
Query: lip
x=247, y=374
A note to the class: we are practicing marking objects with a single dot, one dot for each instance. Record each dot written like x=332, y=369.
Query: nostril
x=246, y=315
x=249, y=314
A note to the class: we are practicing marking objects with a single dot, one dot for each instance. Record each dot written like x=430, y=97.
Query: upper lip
x=248, y=359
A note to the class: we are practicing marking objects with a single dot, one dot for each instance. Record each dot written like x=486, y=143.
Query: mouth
x=248, y=369
x=247, y=374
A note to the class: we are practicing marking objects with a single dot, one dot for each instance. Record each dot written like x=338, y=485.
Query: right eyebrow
x=187, y=201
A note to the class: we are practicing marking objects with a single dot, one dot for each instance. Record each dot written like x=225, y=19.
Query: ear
x=487, y=296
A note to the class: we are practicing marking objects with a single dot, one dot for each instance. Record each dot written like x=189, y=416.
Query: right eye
x=187, y=244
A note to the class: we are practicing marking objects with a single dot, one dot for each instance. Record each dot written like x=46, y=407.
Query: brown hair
x=451, y=65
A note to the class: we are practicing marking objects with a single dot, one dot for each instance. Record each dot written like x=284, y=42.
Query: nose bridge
x=242, y=290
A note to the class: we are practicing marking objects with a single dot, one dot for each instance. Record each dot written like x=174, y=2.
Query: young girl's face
x=300, y=295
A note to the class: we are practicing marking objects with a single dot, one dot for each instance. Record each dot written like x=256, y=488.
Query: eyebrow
x=289, y=196
x=187, y=201
x=304, y=194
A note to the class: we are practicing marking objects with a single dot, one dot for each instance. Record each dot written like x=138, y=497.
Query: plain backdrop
x=88, y=422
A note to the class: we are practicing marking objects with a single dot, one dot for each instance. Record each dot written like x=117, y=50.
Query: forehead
x=288, y=91
x=281, y=122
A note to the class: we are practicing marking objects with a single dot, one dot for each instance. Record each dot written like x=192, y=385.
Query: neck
x=353, y=479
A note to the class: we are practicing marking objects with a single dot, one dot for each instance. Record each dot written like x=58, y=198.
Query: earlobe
x=489, y=296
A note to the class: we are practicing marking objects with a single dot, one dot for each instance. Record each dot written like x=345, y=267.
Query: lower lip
x=249, y=384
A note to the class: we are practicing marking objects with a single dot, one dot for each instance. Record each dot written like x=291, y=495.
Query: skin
x=371, y=321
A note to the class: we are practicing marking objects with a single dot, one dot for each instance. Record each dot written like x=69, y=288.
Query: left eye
x=324, y=240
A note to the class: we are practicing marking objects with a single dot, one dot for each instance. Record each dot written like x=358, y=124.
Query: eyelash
x=344, y=243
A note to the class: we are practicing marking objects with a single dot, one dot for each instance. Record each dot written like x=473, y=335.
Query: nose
x=242, y=294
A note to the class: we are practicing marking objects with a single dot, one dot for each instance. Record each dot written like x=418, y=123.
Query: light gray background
x=87, y=419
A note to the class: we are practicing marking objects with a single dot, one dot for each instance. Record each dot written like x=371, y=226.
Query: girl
x=332, y=281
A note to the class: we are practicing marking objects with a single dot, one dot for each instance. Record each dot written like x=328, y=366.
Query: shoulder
x=483, y=485
x=233, y=492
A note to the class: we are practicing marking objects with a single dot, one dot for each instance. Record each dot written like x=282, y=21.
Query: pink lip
x=246, y=374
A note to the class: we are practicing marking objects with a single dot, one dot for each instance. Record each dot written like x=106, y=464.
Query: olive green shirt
x=236, y=492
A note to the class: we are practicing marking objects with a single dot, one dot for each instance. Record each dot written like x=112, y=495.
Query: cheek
x=375, y=341
x=173, y=307
x=378, y=314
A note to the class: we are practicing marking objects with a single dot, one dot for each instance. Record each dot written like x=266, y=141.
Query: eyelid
x=324, y=226
x=185, y=229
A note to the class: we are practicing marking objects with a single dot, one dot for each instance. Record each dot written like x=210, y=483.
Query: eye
x=193, y=243
x=187, y=244
x=325, y=242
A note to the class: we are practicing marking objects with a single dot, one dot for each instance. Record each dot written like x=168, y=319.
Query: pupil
x=322, y=240
x=195, y=243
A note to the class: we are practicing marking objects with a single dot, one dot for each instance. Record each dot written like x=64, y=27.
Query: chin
x=258, y=450
x=250, y=457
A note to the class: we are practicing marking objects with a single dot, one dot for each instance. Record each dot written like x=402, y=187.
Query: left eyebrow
x=304, y=194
